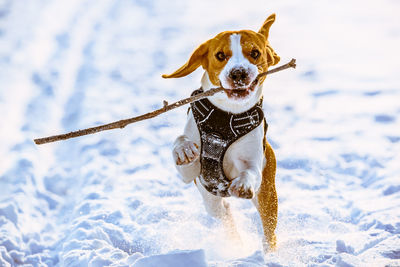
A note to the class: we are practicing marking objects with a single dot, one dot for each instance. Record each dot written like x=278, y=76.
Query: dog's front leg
x=186, y=151
x=246, y=158
x=247, y=183
x=186, y=155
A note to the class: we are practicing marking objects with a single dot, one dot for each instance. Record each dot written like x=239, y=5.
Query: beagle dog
x=224, y=149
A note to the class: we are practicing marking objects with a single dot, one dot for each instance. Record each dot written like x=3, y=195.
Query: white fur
x=244, y=159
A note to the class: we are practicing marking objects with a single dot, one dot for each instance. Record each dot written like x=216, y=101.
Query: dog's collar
x=218, y=130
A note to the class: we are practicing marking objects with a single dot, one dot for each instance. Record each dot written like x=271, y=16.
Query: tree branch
x=167, y=107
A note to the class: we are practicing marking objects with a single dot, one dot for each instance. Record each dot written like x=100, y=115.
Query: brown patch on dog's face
x=219, y=53
x=254, y=49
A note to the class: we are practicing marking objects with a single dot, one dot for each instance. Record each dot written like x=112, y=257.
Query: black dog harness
x=218, y=130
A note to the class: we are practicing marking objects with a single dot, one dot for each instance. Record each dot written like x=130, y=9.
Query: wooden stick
x=122, y=123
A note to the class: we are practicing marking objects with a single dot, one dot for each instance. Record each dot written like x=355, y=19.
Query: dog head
x=233, y=59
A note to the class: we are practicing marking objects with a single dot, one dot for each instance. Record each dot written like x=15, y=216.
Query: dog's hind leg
x=219, y=208
x=266, y=200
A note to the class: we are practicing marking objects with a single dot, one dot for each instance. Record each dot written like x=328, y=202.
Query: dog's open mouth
x=241, y=92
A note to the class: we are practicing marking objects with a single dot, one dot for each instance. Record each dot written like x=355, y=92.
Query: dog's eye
x=255, y=53
x=220, y=56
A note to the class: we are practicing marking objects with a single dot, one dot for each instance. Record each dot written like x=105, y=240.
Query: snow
x=115, y=199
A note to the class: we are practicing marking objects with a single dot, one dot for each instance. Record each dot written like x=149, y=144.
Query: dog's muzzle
x=240, y=83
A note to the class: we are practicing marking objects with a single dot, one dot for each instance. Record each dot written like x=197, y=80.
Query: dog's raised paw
x=185, y=152
x=241, y=188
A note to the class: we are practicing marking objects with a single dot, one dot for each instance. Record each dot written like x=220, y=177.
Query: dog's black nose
x=238, y=75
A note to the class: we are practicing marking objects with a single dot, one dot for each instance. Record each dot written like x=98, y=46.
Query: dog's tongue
x=242, y=91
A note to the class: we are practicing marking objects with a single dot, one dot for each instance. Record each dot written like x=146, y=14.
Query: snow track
x=115, y=199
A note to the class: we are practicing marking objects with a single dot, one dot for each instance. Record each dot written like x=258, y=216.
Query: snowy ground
x=115, y=198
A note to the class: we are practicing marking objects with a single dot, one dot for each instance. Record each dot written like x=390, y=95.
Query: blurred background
x=334, y=125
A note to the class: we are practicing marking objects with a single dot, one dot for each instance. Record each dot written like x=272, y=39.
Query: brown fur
x=267, y=197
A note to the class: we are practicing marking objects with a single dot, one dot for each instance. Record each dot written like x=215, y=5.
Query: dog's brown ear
x=267, y=24
x=195, y=60
x=272, y=57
